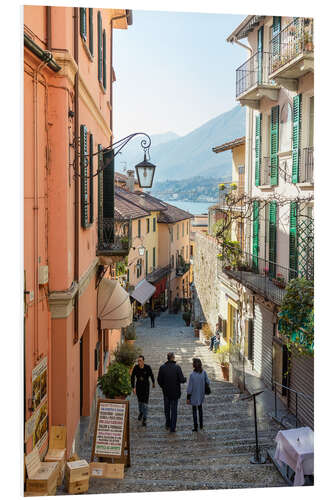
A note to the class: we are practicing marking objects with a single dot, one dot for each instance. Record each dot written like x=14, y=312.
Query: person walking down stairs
x=152, y=316
x=142, y=372
x=196, y=392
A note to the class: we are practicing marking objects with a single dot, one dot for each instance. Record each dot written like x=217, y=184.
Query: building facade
x=68, y=77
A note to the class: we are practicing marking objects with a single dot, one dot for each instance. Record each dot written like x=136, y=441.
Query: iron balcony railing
x=157, y=273
x=293, y=40
x=253, y=72
x=306, y=170
x=263, y=276
x=297, y=401
x=114, y=237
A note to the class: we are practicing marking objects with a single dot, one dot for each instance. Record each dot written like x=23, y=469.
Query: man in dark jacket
x=170, y=376
x=142, y=372
x=152, y=316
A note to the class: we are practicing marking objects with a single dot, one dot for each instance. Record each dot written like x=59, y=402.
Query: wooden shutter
x=100, y=192
x=276, y=28
x=84, y=173
x=154, y=257
x=83, y=23
x=147, y=260
x=255, y=240
x=104, y=59
x=91, y=31
x=272, y=238
x=99, y=47
x=260, y=53
x=154, y=224
x=296, y=137
x=293, y=257
x=274, y=145
x=91, y=179
x=258, y=149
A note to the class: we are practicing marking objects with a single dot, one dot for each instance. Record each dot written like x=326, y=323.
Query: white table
x=295, y=448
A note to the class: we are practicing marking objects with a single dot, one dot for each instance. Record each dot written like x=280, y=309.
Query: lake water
x=194, y=207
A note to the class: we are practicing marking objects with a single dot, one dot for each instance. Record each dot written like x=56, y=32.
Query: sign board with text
x=111, y=438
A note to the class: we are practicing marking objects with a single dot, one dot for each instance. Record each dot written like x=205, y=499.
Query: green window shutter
x=139, y=228
x=91, y=179
x=272, y=238
x=154, y=224
x=258, y=149
x=276, y=28
x=293, y=254
x=255, y=239
x=104, y=59
x=147, y=260
x=100, y=192
x=260, y=52
x=99, y=47
x=296, y=137
x=91, y=31
x=84, y=174
x=83, y=23
x=154, y=257
x=274, y=145
x=148, y=222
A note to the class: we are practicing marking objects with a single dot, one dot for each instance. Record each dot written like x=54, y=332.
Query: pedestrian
x=170, y=376
x=196, y=392
x=215, y=339
x=152, y=316
x=142, y=372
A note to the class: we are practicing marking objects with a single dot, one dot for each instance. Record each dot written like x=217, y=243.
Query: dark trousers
x=170, y=411
x=152, y=322
x=195, y=418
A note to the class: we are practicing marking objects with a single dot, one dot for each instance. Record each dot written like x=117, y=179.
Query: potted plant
x=187, y=317
x=222, y=187
x=116, y=382
x=196, y=328
x=223, y=356
x=279, y=281
x=233, y=186
x=126, y=354
x=130, y=334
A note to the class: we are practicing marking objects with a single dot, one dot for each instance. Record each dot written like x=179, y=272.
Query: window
x=154, y=224
x=87, y=32
x=139, y=228
x=104, y=59
x=188, y=226
x=147, y=262
x=286, y=128
x=84, y=175
x=172, y=261
x=100, y=193
x=139, y=268
x=101, y=46
x=171, y=234
x=91, y=179
x=148, y=221
x=177, y=231
x=154, y=257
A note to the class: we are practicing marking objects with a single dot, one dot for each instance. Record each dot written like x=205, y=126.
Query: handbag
x=207, y=389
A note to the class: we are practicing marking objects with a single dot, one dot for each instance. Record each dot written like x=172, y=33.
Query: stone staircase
x=216, y=457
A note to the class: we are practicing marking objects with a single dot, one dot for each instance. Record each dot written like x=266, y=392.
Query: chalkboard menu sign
x=111, y=429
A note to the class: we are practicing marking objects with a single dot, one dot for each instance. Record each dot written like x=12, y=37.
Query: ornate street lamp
x=145, y=173
x=141, y=251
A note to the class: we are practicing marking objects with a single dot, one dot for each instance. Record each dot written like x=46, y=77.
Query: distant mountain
x=192, y=155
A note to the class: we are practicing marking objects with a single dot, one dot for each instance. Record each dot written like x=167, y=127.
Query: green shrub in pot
x=116, y=381
x=126, y=354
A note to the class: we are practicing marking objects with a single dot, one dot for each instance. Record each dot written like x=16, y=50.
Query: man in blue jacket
x=170, y=376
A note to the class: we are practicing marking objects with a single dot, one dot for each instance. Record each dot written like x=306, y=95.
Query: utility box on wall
x=43, y=275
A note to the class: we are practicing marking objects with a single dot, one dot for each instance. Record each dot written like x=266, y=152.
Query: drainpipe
x=250, y=133
x=77, y=179
x=48, y=28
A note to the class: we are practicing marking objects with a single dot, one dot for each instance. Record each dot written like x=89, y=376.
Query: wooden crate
x=106, y=470
x=57, y=440
x=59, y=456
x=75, y=487
x=42, y=477
x=76, y=471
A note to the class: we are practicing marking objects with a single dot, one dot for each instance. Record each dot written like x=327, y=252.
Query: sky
x=174, y=71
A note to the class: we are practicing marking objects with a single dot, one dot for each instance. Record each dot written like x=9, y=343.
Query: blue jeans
x=143, y=408
x=170, y=411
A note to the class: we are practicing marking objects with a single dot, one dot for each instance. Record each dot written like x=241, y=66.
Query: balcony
x=306, y=167
x=262, y=276
x=157, y=273
x=182, y=267
x=292, y=53
x=114, y=238
x=253, y=82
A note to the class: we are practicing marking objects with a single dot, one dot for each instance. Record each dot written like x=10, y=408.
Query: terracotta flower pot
x=225, y=372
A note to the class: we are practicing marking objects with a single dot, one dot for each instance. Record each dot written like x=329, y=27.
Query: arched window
x=285, y=128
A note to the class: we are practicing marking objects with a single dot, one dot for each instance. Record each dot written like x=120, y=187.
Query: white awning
x=143, y=291
x=114, y=306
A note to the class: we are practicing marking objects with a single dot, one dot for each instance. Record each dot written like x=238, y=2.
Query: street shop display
x=37, y=425
x=77, y=477
x=111, y=437
x=42, y=476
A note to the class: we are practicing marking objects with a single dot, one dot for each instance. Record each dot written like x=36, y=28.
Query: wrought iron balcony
x=181, y=266
x=114, y=237
x=157, y=273
x=253, y=82
x=306, y=168
x=262, y=276
x=292, y=45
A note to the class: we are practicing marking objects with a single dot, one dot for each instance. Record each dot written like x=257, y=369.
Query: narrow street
x=216, y=457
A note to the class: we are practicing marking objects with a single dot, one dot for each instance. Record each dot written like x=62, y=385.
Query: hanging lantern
x=145, y=173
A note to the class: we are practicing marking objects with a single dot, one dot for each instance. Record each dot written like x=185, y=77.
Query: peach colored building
x=67, y=119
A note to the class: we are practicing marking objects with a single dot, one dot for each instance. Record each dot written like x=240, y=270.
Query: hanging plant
x=296, y=317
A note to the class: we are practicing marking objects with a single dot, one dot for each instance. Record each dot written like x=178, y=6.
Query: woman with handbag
x=198, y=386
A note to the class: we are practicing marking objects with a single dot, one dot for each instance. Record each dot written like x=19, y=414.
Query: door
x=280, y=367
